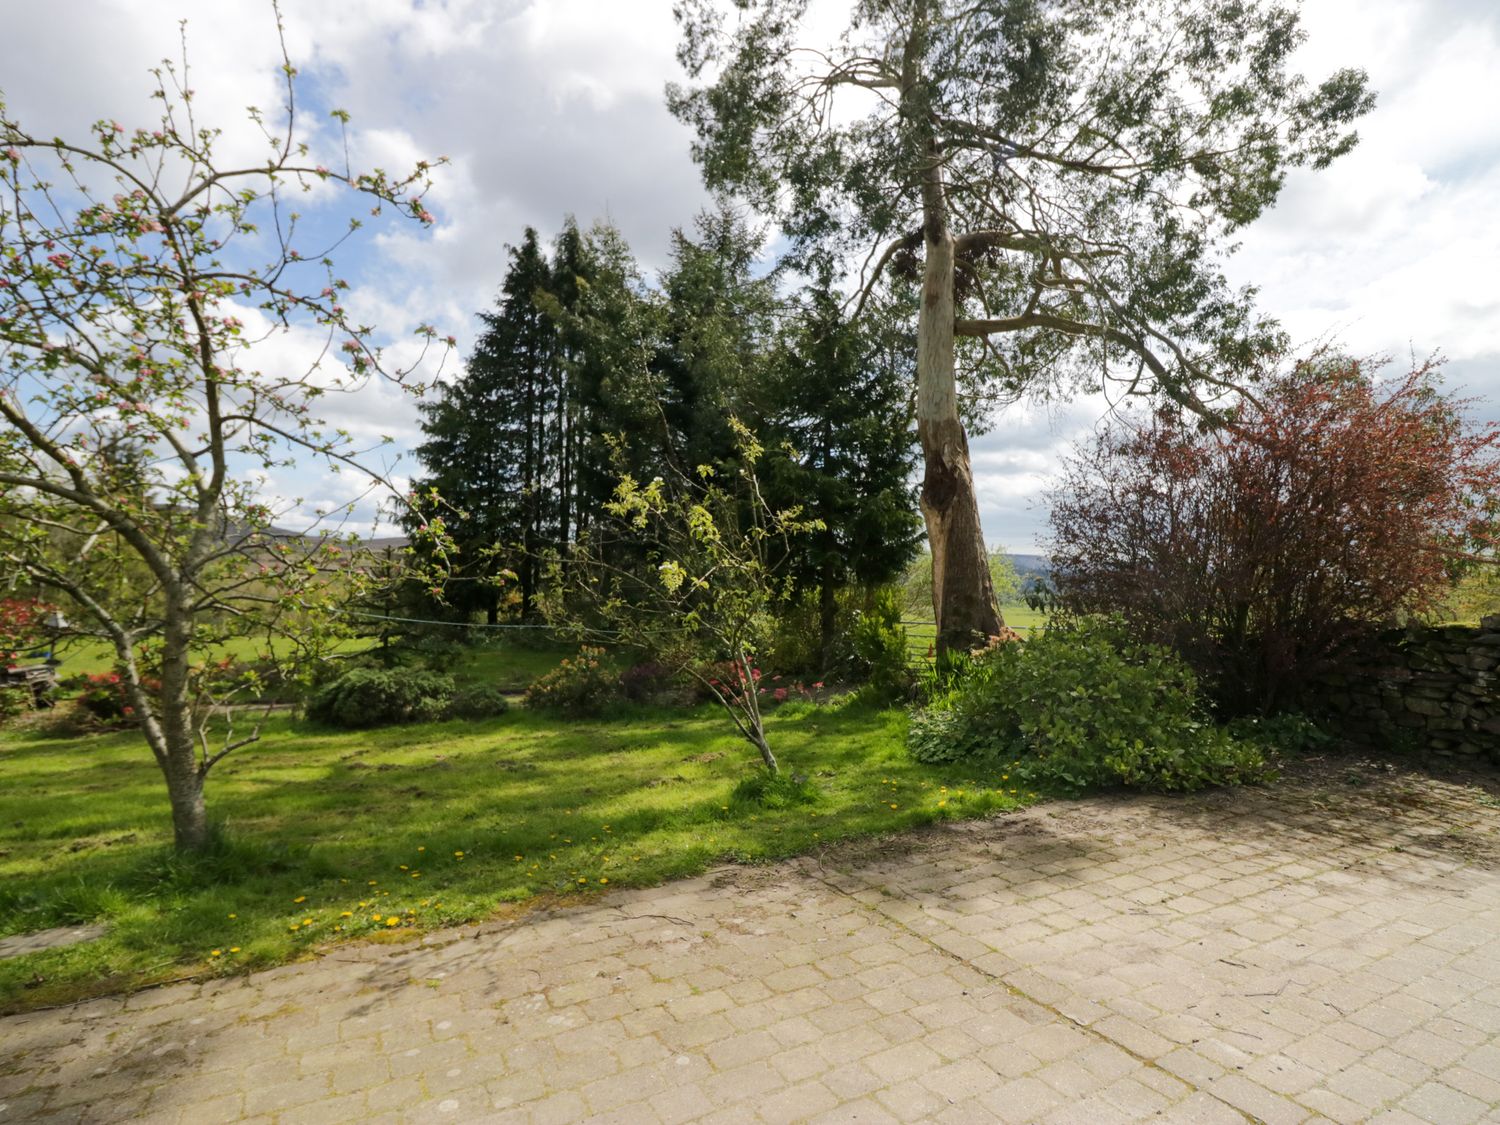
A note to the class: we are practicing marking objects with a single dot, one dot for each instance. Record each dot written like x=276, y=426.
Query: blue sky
x=550, y=107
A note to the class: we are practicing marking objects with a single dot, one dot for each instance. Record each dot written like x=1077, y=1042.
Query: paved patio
x=1327, y=950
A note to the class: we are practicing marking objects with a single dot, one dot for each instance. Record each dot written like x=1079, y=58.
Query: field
x=338, y=836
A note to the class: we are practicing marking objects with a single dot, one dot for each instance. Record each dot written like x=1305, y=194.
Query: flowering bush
x=20, y=627
x=103, y=696
x=580, y=685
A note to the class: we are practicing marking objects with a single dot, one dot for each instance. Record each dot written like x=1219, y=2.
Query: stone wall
x=1435, y=688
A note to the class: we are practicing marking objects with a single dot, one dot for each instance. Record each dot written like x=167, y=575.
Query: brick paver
x=1326, y=950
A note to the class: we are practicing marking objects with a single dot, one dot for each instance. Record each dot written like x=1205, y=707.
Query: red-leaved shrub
x=1261, y=549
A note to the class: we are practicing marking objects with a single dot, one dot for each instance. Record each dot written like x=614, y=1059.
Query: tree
x=700, y=596
x=1330, y=506
x=1066, y=168
x=717, y=332
x=838, y=401
x=132, y=423
x=517, y=445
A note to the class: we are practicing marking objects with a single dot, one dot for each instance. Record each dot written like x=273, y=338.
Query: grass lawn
x=920, y=636
x=335, y=836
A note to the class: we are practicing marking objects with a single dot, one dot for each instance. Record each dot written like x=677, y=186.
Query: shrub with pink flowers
x=103, y=696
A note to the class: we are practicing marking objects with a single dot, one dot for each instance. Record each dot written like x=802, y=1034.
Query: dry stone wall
x=1435, y=688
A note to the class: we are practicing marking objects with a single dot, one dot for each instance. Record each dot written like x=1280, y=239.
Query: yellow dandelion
x=307, y=921
x=458, y=855
x=374, y=917
x=895, y=806
x=393, y=921
x=234, y=949
x=422, y=849
x=234, y=915
x=603, y=880
x=405, y=868
x=215, y=952
x=942, y=803
x=347, y=914
x=300, y=898
x=519, y=858
x=416, y=874
x=583, y=880
x=374, y=882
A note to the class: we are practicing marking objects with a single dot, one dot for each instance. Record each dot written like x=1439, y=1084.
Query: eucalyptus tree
x=148, y=294
x=1057, y=177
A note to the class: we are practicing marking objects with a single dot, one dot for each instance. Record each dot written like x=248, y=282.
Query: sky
x=554, y=107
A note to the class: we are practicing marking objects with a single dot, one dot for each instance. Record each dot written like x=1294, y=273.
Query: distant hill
x=1028, y=566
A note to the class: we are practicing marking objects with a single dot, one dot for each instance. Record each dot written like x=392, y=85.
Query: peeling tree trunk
x=963, y=598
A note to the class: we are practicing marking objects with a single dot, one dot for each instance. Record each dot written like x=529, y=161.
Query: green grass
x=921, y=637
x=92, y=656
x=328, y=835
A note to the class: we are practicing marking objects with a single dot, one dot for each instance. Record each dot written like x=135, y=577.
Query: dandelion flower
x=347, y=914
x=422, y=849
x=583, y=880
x=234, y=915
x=393, y=921
x=300, y=898
x=603, y=880
x=215, y=952
x=234, y=949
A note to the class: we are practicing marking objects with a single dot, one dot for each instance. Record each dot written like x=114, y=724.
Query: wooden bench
x=39, y=679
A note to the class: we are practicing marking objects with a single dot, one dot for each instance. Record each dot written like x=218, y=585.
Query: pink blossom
x=818, y=684
x=781, y=695
x=13, y=155
x=117, y=127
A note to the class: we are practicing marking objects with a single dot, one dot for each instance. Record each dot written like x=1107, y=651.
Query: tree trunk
x=189, y=810
x=963, y=598
x=828, y=612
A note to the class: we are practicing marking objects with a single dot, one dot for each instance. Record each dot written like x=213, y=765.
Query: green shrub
x=880, y=645
x=1080, y=706
x=1287, y=733
x=477, y=701
x=373, y=697
x=14, y=701
x=581, y=685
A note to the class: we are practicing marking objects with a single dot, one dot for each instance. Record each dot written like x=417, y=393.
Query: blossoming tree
x=140, y=279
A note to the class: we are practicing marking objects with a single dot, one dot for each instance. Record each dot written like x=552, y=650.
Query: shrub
x=1082, y=706
x=1262, y=550
x=372, y=697
x=14, y=701
x=581, y=685
x=880, y=645
x=646, y=681
x=477, y=701
x=103, y=697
